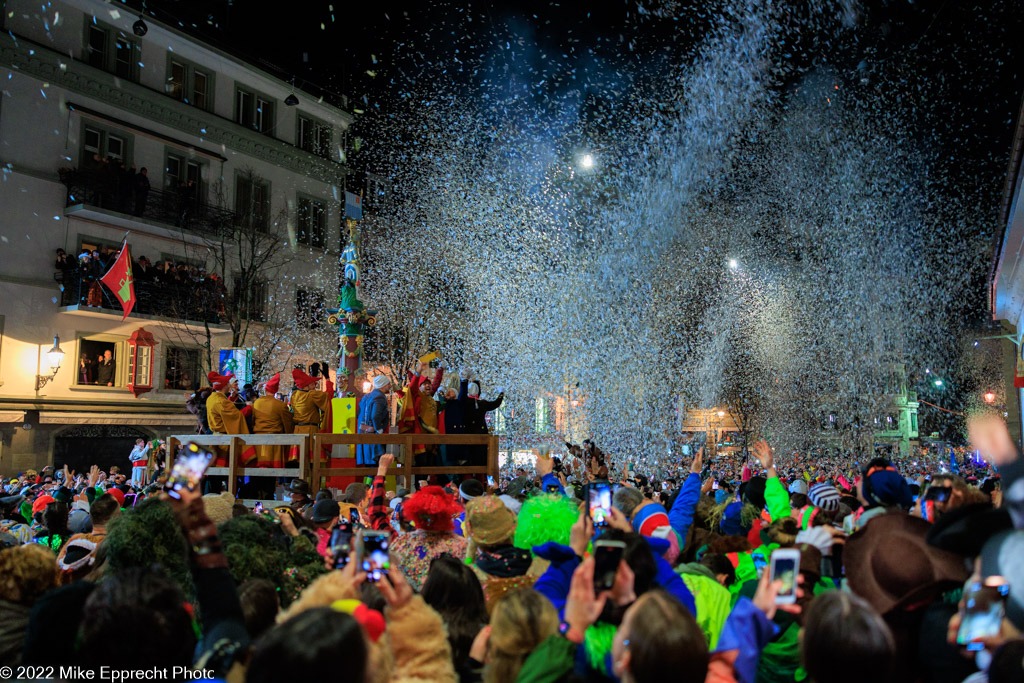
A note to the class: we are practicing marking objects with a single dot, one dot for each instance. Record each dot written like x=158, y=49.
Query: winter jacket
x=713, y=600
x=777, y=498
x=373, y=419
x=554, y=583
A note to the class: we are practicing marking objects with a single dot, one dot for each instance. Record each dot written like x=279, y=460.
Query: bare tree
x=243, y=253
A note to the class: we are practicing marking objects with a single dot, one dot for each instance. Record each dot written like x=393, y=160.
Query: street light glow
x=938, y=382
x=587, y=161
x=990, y=397
x=733, y=264
x=721, y=413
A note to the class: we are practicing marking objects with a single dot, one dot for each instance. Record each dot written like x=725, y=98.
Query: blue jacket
x=681, y=514
x=373, y=411
x=748, y=630
x=554, y=583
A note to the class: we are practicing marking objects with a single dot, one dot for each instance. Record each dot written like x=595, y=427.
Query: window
x=97, y=363
x=188, y=83
x=112, y=50
x=254, y=111
x=176, y=82
x=252, y=201
x=311, y=223
x=181, y=371
x=97, y=142
x=182, y=170
x=254, y=306
x=310, y=308
x=97, y=47
x=314, y=137
x=200, y=89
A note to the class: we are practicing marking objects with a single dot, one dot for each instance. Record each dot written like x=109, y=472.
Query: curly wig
x=256, y=549
x=545, y=518
x=149, y=534
x=431, y=509
x=26, y=572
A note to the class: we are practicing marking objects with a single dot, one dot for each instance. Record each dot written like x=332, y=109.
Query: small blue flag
x=353, y=206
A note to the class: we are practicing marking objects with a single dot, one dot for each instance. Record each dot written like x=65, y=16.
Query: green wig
x=146, y=535
x=545, y=518
x=256, y=549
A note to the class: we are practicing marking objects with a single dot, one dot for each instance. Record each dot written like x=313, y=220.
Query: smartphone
x=189, y=468
x=353, y=516
x=258, y=507
x=341, y=544
x=490, y=480
x=607, y=555
x=373, y=554
x=785, y=564
x=714, y=485
x=983, y=611
x=938, y=494
x=599, y=505
x=698, y=442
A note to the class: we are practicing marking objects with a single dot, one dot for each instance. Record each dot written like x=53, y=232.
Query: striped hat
x=824, y=496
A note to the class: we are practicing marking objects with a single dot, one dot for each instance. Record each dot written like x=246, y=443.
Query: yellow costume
x=271, y=416
x=224, y=418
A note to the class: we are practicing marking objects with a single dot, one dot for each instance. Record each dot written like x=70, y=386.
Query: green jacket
x=777, y=498
x=714, y=601
x=551, y=661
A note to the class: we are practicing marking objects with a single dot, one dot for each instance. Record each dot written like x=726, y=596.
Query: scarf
x=505, y=562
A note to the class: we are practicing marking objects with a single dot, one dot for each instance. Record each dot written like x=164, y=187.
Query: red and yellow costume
x=224, y=418
x=311, y=408
x=271, y=416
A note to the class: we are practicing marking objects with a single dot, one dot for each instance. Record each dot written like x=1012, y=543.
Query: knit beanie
x=824, y=496
x=753, y=493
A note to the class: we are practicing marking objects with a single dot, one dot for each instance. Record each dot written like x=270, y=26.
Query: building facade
x=234, y=158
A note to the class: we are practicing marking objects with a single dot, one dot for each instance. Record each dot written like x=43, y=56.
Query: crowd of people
x=178, y=290
x=902, y=573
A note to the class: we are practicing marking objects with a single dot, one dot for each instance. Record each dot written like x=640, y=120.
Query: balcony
x=104, y=194
x=189, y=304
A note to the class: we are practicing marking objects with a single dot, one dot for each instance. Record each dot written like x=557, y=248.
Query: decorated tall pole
x=351, y=319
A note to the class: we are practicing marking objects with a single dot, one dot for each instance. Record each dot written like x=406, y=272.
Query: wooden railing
x=310, y=466
x=408, y=469
x=237, y=444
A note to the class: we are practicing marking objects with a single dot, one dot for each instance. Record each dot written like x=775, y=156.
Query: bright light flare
x=587, y=161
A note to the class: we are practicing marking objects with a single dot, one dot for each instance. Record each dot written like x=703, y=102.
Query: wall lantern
x=140, y=361
x=55, y=356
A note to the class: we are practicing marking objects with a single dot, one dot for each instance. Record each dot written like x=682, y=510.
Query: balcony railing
x=196, y=300
x=108, y=189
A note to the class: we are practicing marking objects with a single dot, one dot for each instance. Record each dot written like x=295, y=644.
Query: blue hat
x=732, y=524
x=886, y=487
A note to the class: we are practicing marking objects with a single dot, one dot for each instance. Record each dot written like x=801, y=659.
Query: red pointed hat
x=273, y=384
x=302, y=380
x=219, y=381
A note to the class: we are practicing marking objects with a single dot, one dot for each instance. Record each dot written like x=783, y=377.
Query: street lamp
x=366, y=387
x=54, y=356
x=938, y=382
x=587, y=161
x=721, y=413
x=733, y=264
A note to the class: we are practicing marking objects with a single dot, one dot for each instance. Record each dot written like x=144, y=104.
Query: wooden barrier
x=408, y=469
x=236, y=444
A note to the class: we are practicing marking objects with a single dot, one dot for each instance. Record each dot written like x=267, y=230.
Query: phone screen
x=354, y=516
x=784, y=568
x=714, y=485
x=697, y=442
x=490, y=480
x=258, y=507
x=607, y=555
x=600, y=504
x=982, y=613
x=939, y=494
x=189, y=468
x=375, y=559
x=341, y=544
